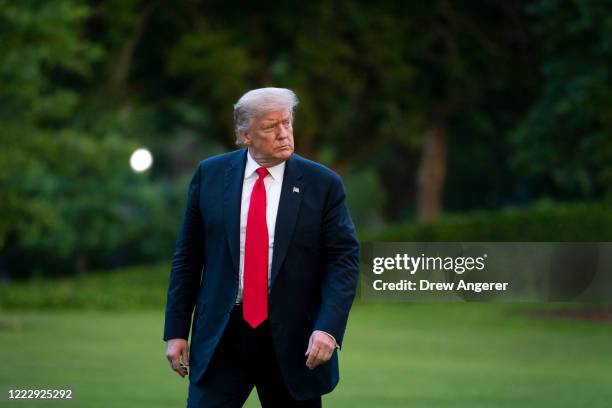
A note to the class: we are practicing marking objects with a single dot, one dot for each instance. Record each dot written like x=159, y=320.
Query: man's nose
x=283, y=133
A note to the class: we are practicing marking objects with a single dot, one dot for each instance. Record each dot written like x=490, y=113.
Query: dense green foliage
x=141, y=287
x=520, y=92
x=546, y=222
x=566, y=139
x=68, y=199
x=145, y=286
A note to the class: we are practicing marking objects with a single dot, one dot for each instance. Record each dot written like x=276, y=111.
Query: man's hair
x=258, y=102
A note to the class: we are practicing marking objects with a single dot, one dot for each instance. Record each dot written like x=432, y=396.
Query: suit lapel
x=232, y=193
x=288, y=208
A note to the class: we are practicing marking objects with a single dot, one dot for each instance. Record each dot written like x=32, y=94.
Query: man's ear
x=245, y=137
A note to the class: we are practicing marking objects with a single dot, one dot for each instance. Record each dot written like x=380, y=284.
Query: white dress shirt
x=273, y=183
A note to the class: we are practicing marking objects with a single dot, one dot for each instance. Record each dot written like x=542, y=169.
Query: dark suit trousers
x=243, y=359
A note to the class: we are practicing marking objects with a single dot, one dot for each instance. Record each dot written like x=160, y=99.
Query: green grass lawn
x=394, y=355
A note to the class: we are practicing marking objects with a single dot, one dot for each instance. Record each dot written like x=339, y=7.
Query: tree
x=563, y=147
x=64, y=180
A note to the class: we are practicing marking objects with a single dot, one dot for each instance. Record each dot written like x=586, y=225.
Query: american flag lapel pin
x=296, y=189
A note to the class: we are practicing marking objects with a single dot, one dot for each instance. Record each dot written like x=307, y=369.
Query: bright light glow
x=141, y=160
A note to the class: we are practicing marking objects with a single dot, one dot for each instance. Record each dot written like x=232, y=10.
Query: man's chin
x=284, y=154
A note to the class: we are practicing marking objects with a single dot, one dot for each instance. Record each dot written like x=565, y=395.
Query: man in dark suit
x=268, y=256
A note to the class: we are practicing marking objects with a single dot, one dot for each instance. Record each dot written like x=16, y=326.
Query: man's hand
x=177, y=353
x=320, y=349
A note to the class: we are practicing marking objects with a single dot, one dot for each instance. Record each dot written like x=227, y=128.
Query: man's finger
x=180, y=370
x=309, y=345
x=312, y=356
x=317, y=361
x=185, y=356
x=322, y=357
x=171, y=360
x=175, y=365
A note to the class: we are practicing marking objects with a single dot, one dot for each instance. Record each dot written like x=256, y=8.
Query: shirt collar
x=251, y=166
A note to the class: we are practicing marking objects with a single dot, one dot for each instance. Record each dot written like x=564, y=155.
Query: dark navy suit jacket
x=314, y=266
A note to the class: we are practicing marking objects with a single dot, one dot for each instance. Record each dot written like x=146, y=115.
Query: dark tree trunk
x=432, y=172
x=81, y=265
x=121, y=69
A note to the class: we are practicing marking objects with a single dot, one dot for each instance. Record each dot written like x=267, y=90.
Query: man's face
x=270, y=138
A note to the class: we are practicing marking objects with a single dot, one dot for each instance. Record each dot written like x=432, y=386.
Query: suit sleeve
x=187, y=265
x=341, y=263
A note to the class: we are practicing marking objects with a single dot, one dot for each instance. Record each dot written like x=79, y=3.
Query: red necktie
x=255, y=287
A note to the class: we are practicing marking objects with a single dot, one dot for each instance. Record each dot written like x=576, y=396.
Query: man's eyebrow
x=270, y=121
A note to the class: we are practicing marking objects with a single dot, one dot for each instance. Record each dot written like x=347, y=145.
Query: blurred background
x=448, y=120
